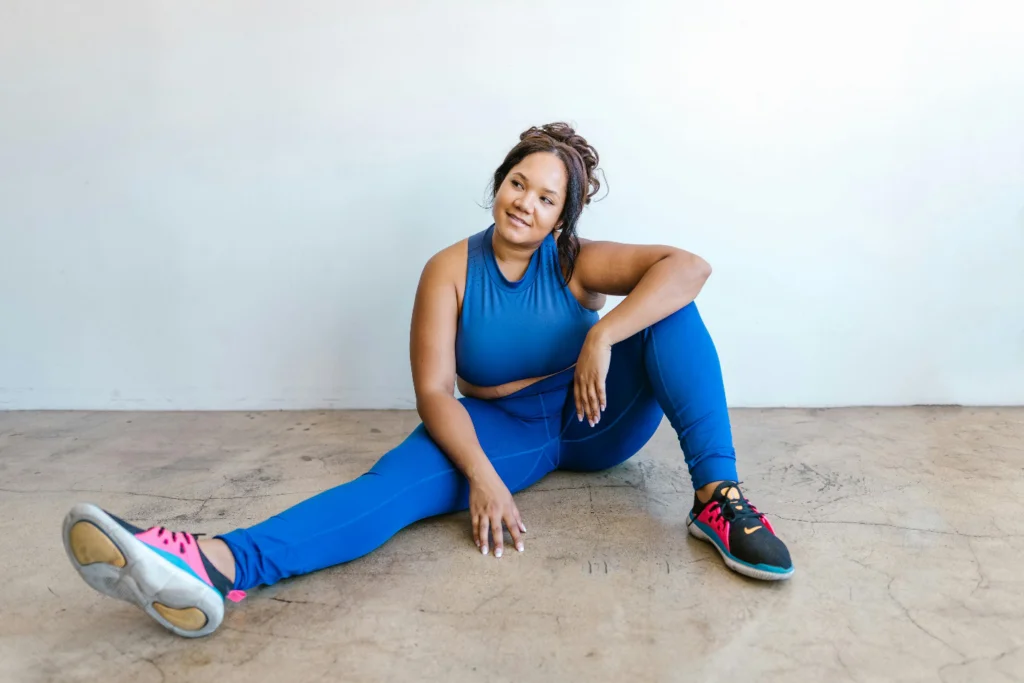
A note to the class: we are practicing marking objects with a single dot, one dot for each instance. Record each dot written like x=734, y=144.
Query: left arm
x=656, y=281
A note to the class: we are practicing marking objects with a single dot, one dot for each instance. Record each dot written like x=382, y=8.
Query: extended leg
x=182, y=583
x=413, y=481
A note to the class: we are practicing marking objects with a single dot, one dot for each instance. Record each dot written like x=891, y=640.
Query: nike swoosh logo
x=751, y=530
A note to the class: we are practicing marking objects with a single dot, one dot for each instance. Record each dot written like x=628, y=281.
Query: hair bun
x=565, y=134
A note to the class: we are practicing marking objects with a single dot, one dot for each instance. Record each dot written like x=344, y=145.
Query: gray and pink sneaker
x=162, y=572
x=741, y=534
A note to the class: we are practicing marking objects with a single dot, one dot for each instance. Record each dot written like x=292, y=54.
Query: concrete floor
x=906, y=527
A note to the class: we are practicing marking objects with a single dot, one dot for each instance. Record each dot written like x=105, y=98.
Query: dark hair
x=580, y=160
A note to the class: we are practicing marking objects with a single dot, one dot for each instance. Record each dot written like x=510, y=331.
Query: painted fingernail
x=483, y=550
x=497, y=553
x=519, y=547
x=579, y=417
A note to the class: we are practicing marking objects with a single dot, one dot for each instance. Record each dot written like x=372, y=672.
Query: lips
x=517, y=221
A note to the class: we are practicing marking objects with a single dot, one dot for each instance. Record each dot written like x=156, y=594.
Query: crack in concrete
x=585, y=486
x=915, y=622
x=968, y=661
x=157, y=495
x=163, y=676
x=897, y=526
x=275, y=635
x=306, y=602
x=982, y=580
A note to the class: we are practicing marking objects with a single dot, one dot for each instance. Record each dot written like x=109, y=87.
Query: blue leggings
x=669, y=369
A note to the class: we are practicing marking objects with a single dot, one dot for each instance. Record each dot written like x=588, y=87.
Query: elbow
x=428, y=397
x=696, y=268
x=703, y=269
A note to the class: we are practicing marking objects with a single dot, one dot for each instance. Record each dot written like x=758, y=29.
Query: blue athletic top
x=516, y=330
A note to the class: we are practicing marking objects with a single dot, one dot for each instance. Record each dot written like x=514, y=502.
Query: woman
x=510, y=314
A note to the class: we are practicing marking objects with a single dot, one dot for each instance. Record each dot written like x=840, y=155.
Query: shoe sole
x=111, y=560
x=734, y=564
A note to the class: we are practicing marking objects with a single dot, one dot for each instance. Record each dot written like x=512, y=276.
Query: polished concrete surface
x=906, y=527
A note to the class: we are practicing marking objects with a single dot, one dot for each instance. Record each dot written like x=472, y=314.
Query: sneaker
x=741, y=534
x=162, y=572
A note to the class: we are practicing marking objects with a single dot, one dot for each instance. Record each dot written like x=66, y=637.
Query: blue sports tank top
x=516, y=330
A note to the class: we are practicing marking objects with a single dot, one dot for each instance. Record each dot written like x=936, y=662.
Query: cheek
x=506, y=195
x=500, y=196
x=552, y=213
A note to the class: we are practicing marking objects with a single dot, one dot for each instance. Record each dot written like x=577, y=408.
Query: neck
x=513, y=259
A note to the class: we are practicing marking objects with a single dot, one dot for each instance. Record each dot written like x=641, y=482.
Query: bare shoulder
x=448, y=262
x=448, y=268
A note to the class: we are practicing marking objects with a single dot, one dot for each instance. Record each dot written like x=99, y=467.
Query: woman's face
x=529, y=202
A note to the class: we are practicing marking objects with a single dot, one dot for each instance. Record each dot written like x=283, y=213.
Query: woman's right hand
x=491, y=504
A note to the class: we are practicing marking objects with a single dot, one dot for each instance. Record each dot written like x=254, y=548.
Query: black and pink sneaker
x=162, y=572
x=741, y=534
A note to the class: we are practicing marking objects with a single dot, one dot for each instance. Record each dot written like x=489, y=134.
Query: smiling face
x=528, y=204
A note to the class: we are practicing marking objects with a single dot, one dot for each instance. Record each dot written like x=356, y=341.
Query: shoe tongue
x=729, y=491
x=731, y=500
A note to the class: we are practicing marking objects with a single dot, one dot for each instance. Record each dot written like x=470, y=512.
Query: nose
x=523, y=203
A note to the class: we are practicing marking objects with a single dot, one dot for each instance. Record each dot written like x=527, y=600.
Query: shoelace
x=189, y=539
x=736, y=510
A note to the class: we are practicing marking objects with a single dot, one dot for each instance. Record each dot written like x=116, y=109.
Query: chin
x=514, y=233
x=508, y=230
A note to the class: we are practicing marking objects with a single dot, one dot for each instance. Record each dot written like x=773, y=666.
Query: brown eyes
x=516, y=184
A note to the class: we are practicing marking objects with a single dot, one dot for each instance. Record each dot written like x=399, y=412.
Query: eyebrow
x=545, y=189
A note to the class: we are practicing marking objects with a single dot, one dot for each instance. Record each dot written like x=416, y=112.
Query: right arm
x=432, y=354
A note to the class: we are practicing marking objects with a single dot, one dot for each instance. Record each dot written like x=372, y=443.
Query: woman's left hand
x=591, y=372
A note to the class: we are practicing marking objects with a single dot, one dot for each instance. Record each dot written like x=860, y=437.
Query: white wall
x=227, y=205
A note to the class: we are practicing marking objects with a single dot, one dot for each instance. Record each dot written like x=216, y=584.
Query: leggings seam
x=534, y=468
x=661, y=377
x=547, y=430
x=544, y=411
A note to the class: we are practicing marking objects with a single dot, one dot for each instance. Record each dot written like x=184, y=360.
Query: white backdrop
x=227, y=205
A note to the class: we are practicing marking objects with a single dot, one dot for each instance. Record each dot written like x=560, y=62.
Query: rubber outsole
x=736, y=565
x=112, y=561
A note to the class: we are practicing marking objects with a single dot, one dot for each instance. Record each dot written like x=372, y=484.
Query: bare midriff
x=501, y=390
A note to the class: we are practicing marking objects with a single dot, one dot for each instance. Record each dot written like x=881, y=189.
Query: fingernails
x=497, y=553
x=579, y=417
x=519, y=547
x=483, y=549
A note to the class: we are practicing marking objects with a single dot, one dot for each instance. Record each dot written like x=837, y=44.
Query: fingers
x=499, y=535
x=513, y=529
x=482, y=534
x=519, y=521
x=590, y=398
x=577, y=395
x=593, y=405
x=489, y=524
